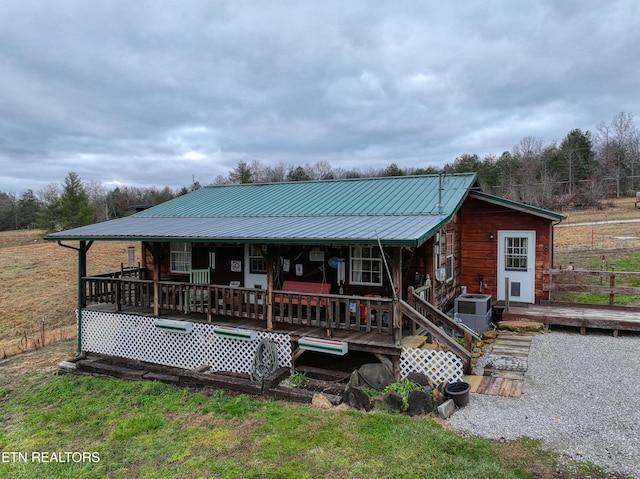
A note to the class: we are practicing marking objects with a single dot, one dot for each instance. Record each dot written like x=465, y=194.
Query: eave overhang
x=514, y=205
x=391, y=230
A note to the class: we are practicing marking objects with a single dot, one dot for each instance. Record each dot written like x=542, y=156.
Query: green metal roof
x=400, y=195
x=403, y=210
x=518, y=206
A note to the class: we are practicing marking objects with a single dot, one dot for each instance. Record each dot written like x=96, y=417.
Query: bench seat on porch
x=303, y=287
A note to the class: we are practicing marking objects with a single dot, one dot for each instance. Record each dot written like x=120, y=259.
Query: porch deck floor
x=358, y=340
x=583, y=317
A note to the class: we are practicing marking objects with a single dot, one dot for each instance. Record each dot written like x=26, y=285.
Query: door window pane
x=516, y=252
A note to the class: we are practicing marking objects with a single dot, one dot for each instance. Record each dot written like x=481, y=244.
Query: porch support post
x=269, y=312
x=82, y=301
x=396, y=274
x=156, y=278
x=82, y=249
x=143, y=251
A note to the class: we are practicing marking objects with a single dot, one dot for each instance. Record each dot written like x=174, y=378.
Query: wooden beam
x=396, y=274
x=156, y=251
x=269, y=260
x=586, y=288
x=449, y=342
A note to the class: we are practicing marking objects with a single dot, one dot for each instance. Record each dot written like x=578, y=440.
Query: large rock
x=521, y=326
x=354, y=380
x=489, y=335
x=356, y=398
x=420, y=402
x=390, y=402
x=419, y=379
x=321, y=401
x=375, y=375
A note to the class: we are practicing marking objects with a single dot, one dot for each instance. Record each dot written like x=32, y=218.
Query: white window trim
x=180, y=248
x=450, y=250
x=256, y=255
x=353, y=270
x=514, y=254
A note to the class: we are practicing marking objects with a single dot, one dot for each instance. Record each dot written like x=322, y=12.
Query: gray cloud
x=151, y=92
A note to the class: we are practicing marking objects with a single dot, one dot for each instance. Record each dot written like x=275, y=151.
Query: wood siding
x=479, y=219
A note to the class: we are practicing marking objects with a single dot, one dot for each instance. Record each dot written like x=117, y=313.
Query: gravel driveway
x=581, y=397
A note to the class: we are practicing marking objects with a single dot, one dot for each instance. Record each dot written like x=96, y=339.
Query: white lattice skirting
x=439, y=366
x=135, y=337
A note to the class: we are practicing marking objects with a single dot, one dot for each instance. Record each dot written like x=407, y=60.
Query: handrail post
x=506, y=295
x=118, y=294
x=612, y=283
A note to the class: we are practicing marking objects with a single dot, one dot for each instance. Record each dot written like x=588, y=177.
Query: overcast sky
x=156, y=92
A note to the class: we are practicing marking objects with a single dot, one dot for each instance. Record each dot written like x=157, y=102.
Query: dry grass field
x=38, y=279
x=614, y=234
x=38, y=284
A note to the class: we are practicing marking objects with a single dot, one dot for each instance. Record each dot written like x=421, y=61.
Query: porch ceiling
x=401, y=230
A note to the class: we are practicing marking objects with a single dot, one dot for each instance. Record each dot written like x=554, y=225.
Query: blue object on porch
x=334, y=261
x=323, y=345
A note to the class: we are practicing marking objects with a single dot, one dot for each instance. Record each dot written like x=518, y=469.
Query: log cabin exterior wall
x=475, y=254
x=479, y=255
x=423, y=262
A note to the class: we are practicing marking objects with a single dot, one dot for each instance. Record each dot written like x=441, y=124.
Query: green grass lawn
x=152, y=430
x=623, y=261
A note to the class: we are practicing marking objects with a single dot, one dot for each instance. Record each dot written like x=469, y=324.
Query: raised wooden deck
x=580, y=316
x=372, y=342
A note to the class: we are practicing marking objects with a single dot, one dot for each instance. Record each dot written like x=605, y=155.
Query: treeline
x=581, y=170
x=75, y=203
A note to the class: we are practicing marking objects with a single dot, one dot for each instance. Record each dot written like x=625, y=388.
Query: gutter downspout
x=82, y=270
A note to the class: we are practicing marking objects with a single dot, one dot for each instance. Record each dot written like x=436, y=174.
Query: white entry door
x=255, y=271
x=516, y=261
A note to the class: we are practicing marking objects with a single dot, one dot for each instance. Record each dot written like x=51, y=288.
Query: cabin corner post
x=396, y=271
x=269, y=259
x=157, y=264
x=83, y=247
x=156, y=254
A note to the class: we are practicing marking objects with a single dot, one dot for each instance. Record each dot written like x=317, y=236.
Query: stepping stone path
x=505, y=366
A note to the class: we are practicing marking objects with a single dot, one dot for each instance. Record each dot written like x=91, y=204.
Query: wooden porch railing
x=330, y=311
x=334, y=311
x=606, y=286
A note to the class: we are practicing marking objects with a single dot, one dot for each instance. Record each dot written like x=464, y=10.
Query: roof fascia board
x=305, y=241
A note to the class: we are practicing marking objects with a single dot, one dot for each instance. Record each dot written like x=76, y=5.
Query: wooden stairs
x=505, y=366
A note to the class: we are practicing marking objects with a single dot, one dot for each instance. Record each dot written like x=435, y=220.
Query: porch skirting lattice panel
x=135, y=337
x=439, y=366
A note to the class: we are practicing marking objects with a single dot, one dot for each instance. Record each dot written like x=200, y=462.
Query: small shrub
x=298, y=379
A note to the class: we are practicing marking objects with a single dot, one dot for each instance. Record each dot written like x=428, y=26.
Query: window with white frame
x=366, y=265
x=180, y=257
x=449, y=256
x=516, y=254
x=257, y=263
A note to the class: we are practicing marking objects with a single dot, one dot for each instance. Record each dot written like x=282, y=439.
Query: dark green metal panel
x=397, y=210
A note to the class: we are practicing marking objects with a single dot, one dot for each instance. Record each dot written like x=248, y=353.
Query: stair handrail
x=461, y=328
x=435, y=331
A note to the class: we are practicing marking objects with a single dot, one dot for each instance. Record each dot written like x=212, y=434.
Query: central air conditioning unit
x=474, y=310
